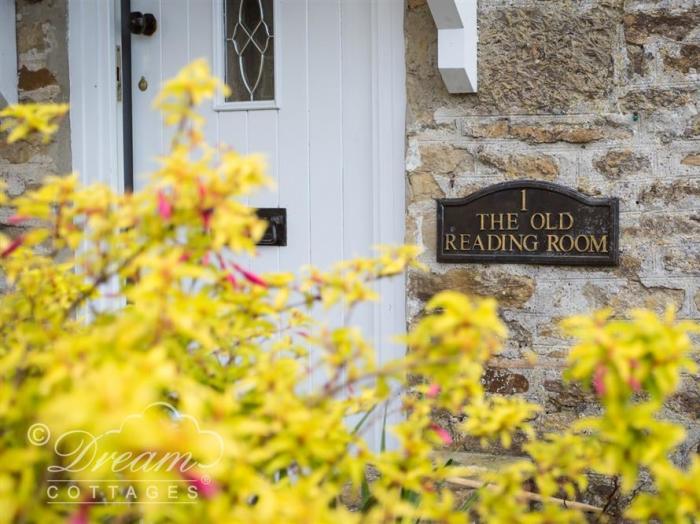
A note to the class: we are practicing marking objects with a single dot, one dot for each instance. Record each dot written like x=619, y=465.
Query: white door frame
x=96, y=119
x=95, y=113
x=8, y=53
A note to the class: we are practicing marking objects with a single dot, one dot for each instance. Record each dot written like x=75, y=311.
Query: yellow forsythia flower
x=25, y=119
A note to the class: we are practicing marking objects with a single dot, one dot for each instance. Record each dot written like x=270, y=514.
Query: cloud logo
x=162, y=451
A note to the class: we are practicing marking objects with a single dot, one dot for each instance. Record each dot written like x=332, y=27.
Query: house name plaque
x=528, y=222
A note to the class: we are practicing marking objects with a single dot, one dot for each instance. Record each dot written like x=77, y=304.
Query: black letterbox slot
x=276, y=233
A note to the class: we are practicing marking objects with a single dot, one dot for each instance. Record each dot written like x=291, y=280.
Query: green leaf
x=366, y=496
x=364, y=418
x=383, y=442
x=469, y=502
x=410, y=496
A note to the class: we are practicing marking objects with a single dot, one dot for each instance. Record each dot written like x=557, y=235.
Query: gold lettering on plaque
x=582, y=248
x=521, y=242
x=531, y=241
x=569, y=239
x=550, y=226
x=502, y=232
x=515, y=242
x=570, y=218
x=540, y=221
x=512, y=221
x=491, y=239
x=600, y=247
x=580, y=243
x=537, y=218
x=497, y=221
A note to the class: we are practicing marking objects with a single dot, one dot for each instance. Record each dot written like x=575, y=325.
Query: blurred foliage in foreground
x=142, y=362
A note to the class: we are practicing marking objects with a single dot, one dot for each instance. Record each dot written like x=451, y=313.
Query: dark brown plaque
x=528, y=222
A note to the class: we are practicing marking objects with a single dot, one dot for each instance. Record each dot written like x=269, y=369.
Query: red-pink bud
x=12, y=247
x=599, y=379
x=206, y=214
x=442, y=433
x=250, y=276
x=433, y=391
x=232, y=279
x=205, y=485
x=634, y=384
x=81, y=515
x=165, y=208
x=17, y=219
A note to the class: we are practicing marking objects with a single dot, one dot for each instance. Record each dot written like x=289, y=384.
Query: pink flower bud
x=433, y=391
x=599, y=379
x=205, y=486
x=205, y=215
x=442, y=434
x=250, y=276
x=634, y=384
x=81, y=516
x=165, y=208
x=17, y=219
x=12, y=247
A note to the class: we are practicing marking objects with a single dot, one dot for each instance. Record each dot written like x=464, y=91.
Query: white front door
x=327, y=111
x=319, y=125
x=320, y=140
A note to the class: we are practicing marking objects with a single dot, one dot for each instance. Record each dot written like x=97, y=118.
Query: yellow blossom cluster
x=25, y=119
x=147, y=375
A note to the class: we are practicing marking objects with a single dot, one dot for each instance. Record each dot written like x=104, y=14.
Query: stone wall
x=42, y=62
x=600, y=96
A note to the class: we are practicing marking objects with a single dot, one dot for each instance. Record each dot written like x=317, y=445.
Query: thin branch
x=527, y=495
x=610, y=498
x=103, y=278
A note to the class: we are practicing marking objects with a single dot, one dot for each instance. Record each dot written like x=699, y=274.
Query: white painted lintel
x=457, y=40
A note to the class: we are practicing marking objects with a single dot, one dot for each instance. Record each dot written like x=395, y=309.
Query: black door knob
x=142, y=23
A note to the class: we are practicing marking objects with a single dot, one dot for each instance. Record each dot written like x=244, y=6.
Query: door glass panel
x=250, y=60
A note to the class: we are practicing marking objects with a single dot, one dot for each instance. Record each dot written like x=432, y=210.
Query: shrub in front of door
x=148, y=374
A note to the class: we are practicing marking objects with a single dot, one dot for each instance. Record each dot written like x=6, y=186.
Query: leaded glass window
x=250, y=57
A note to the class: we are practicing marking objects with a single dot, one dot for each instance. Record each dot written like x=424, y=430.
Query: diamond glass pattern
x=250, y=49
